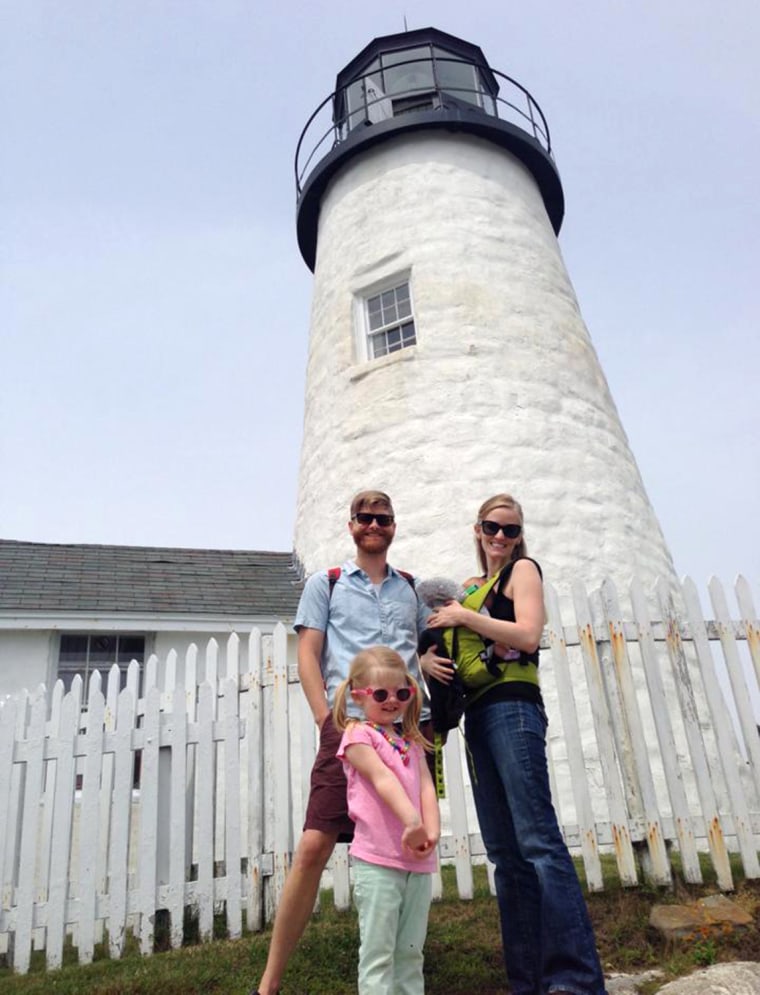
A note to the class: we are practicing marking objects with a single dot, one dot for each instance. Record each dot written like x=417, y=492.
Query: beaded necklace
x=401, y=746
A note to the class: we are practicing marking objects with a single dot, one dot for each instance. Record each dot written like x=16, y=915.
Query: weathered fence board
x=191, y=797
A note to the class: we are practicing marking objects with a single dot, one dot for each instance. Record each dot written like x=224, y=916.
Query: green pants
x=393, y=911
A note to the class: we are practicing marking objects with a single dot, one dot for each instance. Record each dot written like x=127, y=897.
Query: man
x=369, y=604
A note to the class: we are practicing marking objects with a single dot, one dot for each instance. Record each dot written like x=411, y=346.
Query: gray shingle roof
x=152, y=580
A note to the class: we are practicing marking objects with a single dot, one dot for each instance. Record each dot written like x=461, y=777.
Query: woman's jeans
x=546, y=933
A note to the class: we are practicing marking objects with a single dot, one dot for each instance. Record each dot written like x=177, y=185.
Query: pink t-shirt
x=377, y=833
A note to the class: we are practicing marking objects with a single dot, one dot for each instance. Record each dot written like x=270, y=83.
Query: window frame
x=66, y=674
x=366, y=334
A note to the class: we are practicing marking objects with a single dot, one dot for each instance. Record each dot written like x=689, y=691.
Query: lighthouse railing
x=129, y=809
x=328, y=128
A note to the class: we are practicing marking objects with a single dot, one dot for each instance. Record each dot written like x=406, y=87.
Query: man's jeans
x=546, y=933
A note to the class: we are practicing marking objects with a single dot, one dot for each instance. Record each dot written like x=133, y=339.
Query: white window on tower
x=389, y=321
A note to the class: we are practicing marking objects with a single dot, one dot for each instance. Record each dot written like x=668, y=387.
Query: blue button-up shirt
x=359, y=615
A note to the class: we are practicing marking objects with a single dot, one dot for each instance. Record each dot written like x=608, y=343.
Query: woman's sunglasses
x=493, y=528
x=382, y=694
x=368, y=517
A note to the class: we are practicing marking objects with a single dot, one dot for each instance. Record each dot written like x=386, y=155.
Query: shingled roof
x=151, y=580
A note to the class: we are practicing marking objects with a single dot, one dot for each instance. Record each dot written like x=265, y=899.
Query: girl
x=546, y=932
x=392, y=800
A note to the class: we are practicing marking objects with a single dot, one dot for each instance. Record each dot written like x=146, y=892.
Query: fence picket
x=205, y=789
x=460, y=835
x=633, y=729
x=148, y=842
x=232, y=850
x=736, y=677
x=572, y=735
x=8, y=726
x=664, y=729
x=278, y=774
x=697, y=753
x=254, y=745
x=63, y=812
x=118, y=851
x=749, y=622
x=35, y=743
x=89, y=818
x=177, y=816
x=605, y=740
x=723, y=732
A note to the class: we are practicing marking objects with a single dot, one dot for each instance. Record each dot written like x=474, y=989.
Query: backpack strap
x=409, y=578
x=333, y=576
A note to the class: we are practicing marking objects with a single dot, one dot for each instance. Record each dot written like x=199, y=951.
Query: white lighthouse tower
x=448, y=359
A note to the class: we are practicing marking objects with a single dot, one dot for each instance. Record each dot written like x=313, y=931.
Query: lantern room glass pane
x=460, y=79
x=415, y=76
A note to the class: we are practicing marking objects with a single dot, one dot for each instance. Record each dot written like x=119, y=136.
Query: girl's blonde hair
x=380, y=664
x=500, y=501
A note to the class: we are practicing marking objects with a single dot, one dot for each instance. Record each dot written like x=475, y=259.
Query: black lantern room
x=419, y=80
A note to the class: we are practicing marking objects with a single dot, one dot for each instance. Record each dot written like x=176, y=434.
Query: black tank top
x=503, y=608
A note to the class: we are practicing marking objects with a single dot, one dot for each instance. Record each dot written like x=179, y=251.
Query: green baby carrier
x=477, y=667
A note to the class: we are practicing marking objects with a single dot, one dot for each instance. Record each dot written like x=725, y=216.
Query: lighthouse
x=448, y=358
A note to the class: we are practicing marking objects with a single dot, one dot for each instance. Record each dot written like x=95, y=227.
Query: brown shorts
x=327, y=808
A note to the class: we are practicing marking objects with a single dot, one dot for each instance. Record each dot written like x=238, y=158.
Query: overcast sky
x=154, y=308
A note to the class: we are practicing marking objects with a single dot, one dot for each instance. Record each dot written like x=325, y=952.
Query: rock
x=741, y=978
x=629, y=984
x=678, y=921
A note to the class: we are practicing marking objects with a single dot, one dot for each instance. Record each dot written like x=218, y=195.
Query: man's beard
x=373, y=542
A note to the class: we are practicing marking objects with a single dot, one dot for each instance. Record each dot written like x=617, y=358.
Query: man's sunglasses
x=493, y=528
x=381, y=694
x=368, y=517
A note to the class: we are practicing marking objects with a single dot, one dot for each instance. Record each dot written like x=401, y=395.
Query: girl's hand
x=438, y=667
x=415, y=839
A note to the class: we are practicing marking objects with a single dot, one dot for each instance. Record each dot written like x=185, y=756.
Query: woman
x=549, y=946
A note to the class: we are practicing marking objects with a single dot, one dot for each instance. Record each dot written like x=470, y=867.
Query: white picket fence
x=653, y=745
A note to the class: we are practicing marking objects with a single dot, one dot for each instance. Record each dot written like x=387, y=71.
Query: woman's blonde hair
x=380, y=664
x=500, y=501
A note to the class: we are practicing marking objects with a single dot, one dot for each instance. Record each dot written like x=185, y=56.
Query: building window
x=82, y=653
x=390, y=322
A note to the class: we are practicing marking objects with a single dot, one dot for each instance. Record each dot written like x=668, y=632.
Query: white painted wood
x=61, y=885
x=191, y=693
x=177, y=816
x=633, y=729
x=749, y=622
x=572, y=736
x=118, y=855
x=742, y=700
x=722, y=729
x=148, y=839
x=254, y=743
x=35, y=741
x=281, y=791
x=460, y=831
x=232, y=848
x=697, y=754
x=89, y=813
x=45, y=845
x=664, y=729
x=63, y=812
x=605, y=740
x=205, y=791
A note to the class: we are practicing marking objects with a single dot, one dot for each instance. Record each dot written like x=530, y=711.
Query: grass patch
x=463, y=952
